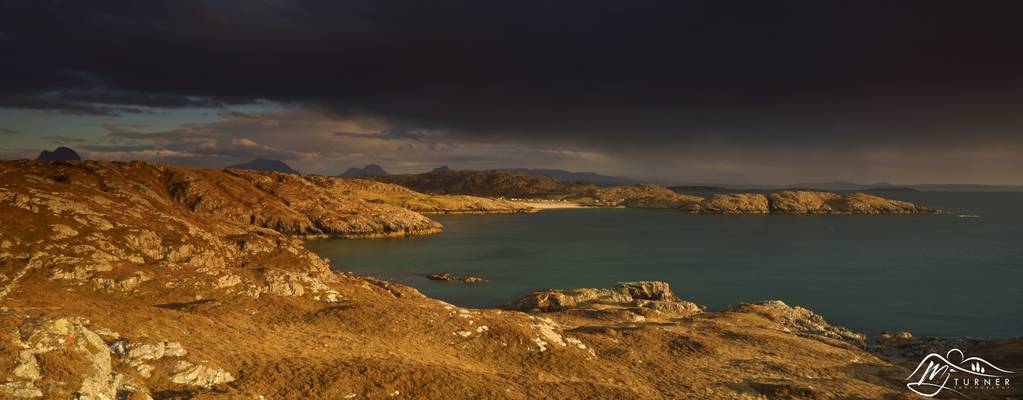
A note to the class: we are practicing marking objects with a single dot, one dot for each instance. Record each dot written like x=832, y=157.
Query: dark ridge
x=369, y=170
x=59, y=154
x=266, y=164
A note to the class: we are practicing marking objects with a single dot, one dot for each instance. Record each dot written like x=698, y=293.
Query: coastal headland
x=133, y=280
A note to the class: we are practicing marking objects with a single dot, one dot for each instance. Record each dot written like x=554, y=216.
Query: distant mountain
x=889, y=187
x=59, y=154
x=566, y=176
x=369, y=170
x=965, y=187
x=490, y=183
x=266, y=164
x=704, y=189
x=843, y=185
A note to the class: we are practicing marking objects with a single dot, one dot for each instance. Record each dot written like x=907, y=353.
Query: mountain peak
x=368, y=170
x=59, y=154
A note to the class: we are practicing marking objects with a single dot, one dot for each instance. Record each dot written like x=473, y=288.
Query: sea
x=954, y=274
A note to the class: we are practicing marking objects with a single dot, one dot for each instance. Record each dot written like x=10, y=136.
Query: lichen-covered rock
x=647, y=290
x=87, y=375
x=139, y=352
x=199, y=375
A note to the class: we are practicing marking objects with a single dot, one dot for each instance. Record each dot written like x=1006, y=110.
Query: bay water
x=959, y=273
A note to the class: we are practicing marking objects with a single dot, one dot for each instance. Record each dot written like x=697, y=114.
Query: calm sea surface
x=928, y=274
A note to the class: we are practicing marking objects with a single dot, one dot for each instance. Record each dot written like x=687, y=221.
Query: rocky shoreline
x=527, y=187
x=142, y=281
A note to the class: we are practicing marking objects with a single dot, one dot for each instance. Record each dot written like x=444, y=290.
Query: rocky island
x=143, y=281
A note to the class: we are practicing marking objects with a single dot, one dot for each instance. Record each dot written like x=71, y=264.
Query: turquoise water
x=929, y=274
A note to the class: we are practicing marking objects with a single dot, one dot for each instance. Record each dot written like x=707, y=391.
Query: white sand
x=549, y=205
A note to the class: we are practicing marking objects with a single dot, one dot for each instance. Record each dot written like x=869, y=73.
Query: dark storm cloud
x=62, y=140
x=629, y=77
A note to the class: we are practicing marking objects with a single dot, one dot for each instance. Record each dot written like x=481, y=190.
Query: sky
x=749, y=92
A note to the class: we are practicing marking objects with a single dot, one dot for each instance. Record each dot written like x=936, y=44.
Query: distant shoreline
x=550, y=205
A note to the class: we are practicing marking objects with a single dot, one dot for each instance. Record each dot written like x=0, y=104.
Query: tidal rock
x=447, y=276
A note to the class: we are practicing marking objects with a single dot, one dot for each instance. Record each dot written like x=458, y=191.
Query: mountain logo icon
x=954, y=372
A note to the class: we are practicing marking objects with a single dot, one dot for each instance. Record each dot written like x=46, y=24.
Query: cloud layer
x=697, y=91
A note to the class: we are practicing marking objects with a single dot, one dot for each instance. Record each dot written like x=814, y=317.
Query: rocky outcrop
x=647, y=294
x=810, y=202
x=802, y=202
x=199, y=375
x=862, y=203
x=85, y=359
x=743, y=203
x=801, y=321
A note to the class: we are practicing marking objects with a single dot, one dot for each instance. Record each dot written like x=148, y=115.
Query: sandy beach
x=549, y=205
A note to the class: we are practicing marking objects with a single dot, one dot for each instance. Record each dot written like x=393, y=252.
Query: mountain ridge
x=266, y=164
